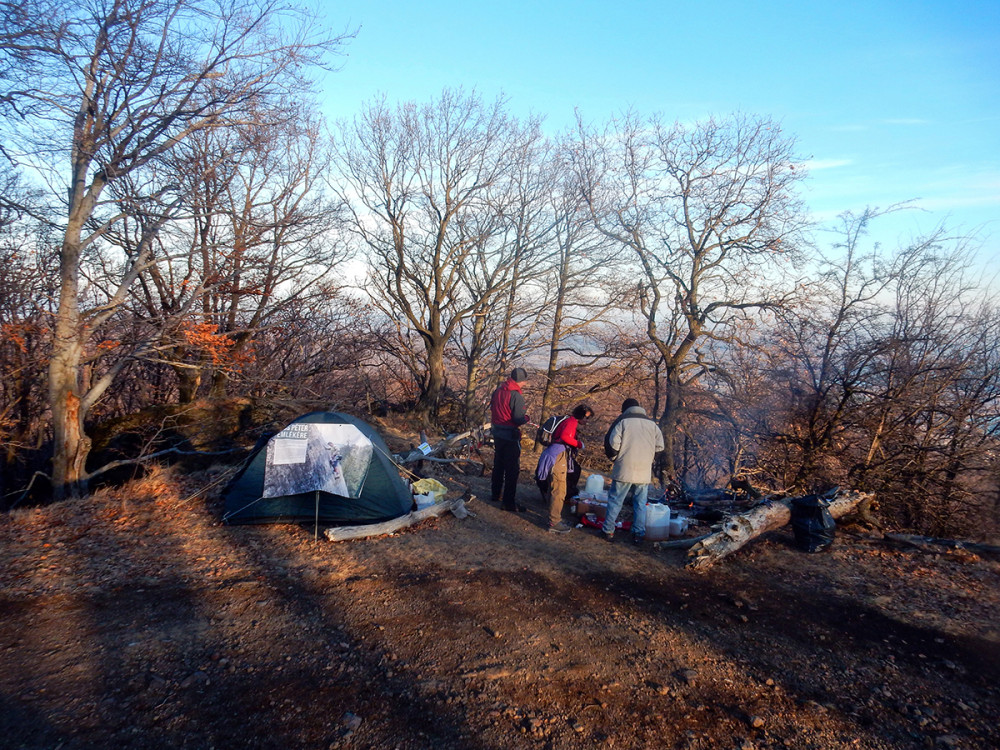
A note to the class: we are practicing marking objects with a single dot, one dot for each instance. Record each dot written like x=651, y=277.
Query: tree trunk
x=670, y=419
x=743, y=528
x=431, y=397
x=555, y=339
x=220, y=385
x=472, y=410
x=188, y=382
x=70, y=444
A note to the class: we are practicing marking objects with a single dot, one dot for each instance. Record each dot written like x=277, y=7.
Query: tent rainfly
x=324, y=466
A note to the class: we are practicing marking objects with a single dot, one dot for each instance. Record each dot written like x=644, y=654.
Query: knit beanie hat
x=519, y=375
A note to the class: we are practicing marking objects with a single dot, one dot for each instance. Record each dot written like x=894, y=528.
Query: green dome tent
x=324, y=466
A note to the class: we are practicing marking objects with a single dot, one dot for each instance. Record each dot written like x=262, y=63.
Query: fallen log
x=740, y=529
x=345, y=533
x=925, y=542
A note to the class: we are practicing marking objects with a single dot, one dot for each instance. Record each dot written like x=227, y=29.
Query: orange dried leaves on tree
x=206, y=337
x=21, y=334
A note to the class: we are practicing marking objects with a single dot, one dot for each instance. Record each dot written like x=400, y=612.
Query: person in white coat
x=632, y=442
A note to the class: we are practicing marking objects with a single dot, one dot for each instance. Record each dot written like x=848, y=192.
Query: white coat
x=636, y=438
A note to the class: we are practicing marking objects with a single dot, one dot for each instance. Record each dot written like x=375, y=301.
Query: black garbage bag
x=812, y=523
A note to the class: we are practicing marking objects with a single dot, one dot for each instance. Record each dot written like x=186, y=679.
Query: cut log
x=740, y=529
x=345, y=533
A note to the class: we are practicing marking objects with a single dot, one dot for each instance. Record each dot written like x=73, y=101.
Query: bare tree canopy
x=115, y=88
x=710, y=215
x=435, y=199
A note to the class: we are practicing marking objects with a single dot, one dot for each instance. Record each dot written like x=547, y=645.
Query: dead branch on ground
x=345, y=533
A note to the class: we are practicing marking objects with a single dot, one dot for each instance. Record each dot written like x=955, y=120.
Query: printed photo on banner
x=331, y=458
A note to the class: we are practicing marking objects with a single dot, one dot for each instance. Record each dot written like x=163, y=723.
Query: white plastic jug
x=595, y=484
x=657, y=522
x=678, y=526
x=657, y=514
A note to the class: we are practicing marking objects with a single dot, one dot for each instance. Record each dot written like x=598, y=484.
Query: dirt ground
x=135, y=619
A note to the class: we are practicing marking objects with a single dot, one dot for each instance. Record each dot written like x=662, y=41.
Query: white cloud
x=906, y=121
x=814, y=164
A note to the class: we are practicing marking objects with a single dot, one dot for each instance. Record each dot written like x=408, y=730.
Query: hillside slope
x=134, y=619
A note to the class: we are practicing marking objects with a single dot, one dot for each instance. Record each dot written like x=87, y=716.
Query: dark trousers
x=506, y=467
x=573, y=481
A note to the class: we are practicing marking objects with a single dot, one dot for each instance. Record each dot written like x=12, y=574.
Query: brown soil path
x=134, y=619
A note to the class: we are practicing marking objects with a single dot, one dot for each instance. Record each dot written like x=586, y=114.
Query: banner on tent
x=307, y=457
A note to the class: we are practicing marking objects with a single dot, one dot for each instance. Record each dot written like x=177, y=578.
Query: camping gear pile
x=591, y=506
x=427, y=491
x=593, y=498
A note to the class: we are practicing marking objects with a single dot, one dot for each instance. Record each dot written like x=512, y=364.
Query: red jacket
x=566, y=432
x=507, y=408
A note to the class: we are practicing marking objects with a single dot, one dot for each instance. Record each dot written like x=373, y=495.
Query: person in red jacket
x=566, y=434
x=557, y=467
x=508, y=413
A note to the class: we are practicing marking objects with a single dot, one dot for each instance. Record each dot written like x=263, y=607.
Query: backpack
x=548, y=429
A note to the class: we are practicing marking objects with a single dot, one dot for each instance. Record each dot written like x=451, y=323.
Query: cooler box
x=585, y=506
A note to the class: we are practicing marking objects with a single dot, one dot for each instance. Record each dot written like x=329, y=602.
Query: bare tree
x=884, y=378
x=828, y=343
x=585, y=293
x=431, y=193
x=124, y=82
x=709, y=214
x=26, y=270
x=315, y=349
x=29, y=31
x=263, y=239
x=932, y=396
x=511, y=302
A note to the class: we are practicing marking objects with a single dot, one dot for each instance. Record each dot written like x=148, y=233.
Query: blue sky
x=889, y=101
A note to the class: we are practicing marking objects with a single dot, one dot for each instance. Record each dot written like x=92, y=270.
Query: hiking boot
x=608, y=537
x=561, y=528
x=518, y=508
x=637, y=539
